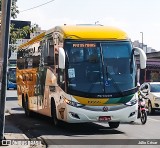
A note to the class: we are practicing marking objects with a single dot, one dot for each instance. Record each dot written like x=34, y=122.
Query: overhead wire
x=36, y=6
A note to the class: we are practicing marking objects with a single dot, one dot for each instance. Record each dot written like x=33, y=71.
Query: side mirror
x=142, y=58
x=61, y=59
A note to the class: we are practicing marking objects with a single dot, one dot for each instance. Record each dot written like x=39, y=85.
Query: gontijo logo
x=105, y=108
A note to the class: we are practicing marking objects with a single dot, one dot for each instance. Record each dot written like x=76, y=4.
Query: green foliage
x=14, y=8
x=17, y=33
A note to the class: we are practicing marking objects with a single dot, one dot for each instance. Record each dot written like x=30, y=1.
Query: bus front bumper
x=73, y=114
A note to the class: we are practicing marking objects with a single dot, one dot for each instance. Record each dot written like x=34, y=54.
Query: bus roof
x=77, y=32
x=93, y=32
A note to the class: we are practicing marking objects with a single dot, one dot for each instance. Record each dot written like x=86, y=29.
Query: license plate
x=104, y=118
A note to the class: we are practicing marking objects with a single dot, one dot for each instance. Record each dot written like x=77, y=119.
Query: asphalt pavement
x=13, y=136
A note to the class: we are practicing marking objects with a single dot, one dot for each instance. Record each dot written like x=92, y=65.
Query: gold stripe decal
x=91, y=101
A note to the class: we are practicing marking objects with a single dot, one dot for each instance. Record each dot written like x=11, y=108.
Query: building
x=37, y=31
x=145, y=48
x=152, y=71
x=20, y=24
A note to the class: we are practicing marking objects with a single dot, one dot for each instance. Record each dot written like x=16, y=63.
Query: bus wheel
x=113, y=124
x=53, y=113
x=26, y=108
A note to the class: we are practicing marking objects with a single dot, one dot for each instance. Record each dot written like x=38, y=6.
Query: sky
x=132, y=16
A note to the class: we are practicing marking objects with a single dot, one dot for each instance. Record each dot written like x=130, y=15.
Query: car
x=151, y=90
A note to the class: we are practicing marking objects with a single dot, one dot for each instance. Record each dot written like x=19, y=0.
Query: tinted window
x=155, y=87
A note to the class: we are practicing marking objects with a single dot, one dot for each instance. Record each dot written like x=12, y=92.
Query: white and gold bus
x=83, y=73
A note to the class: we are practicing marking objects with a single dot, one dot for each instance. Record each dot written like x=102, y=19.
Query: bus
x=81, y=73
x=11, y=78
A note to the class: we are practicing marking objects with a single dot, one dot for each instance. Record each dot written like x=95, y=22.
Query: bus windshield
x=99, y=67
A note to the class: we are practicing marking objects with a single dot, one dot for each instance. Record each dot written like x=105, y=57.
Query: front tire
x=114, y=124
x=143, y=117
x=27, y=111
x=54, y=114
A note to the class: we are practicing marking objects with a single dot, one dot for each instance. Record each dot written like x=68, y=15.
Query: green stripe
x=119, y=100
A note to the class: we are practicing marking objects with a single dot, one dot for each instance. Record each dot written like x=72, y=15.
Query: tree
x=14, y=8
x=17, y=33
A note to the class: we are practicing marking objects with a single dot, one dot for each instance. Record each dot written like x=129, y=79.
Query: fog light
x=74, y=115
x=131, y=114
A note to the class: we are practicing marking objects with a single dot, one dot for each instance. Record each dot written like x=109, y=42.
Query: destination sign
x=84, y=45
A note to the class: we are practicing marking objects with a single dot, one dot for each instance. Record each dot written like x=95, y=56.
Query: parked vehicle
x=152, y=92
x=11, y=78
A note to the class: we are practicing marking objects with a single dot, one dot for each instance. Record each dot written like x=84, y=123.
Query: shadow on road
x=11, y=98
x=42, y=125
x=17, y=108
x=156, y=113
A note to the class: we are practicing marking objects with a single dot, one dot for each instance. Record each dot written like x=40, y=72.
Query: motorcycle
x=142, y=111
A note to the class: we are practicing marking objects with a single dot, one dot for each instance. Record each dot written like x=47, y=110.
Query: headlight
x=131, y=102
x=156, y=98
x=72, y=103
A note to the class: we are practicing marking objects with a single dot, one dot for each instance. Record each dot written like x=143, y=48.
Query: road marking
x=154, y=119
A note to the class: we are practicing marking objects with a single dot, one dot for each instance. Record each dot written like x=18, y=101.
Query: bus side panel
x=50, y=83
x=26, y=87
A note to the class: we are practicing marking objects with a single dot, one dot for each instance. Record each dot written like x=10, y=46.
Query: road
x=97, y=133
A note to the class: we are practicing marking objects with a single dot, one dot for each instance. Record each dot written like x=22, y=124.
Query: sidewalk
x=12, y=133
x=15, y=138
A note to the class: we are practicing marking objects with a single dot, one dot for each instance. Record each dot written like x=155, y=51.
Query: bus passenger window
x=50, y=60
x=56, y=59
x=50, y=57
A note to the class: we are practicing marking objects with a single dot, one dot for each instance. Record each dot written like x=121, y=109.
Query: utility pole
x=142, y=39
x=5, y=25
